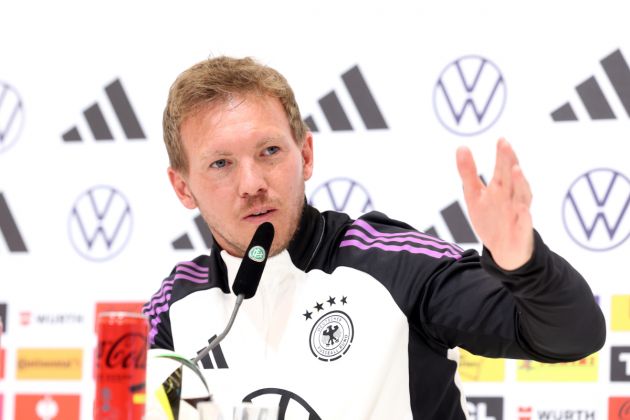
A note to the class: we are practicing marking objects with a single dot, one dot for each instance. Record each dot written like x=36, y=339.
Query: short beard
x=275, y=249
x=296, y=229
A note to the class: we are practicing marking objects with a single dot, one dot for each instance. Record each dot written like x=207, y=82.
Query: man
x=353, y=319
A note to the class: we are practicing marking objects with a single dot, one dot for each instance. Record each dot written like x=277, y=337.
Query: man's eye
x=221, y=163
x=271, y=150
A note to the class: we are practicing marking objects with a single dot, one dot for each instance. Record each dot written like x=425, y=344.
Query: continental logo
x=480, y=369
x=584, y=370
x=620, y=313
x=46, y=364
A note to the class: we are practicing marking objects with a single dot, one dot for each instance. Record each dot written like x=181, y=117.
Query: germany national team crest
x=332, y=333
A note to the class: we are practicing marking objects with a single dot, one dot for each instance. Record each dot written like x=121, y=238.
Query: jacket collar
x=307, y=238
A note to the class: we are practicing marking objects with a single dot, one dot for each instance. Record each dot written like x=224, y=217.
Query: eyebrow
x=269, y=139
x=221, y=154
x=213, y=153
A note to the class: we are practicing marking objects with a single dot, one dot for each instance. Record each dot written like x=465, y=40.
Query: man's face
x=245, y=168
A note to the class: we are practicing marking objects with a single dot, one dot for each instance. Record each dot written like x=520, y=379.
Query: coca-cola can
x=120, y=368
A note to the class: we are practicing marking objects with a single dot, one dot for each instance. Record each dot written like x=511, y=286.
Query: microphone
x=247, y=278
x=254, y=260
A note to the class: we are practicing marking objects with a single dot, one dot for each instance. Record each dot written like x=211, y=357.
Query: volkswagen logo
x=342, y=194
x=11, y=116
x=469, y=95
x=595, y=209
x=100, y=223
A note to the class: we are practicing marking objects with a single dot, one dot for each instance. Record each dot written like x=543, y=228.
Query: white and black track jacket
x=356, y=318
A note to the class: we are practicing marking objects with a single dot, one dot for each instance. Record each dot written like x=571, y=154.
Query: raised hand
x=499, y=212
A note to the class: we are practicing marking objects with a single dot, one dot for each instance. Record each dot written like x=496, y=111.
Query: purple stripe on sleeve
x=414, y=239
x=155, y=321
x=182, y=276
x=185, y=269
x=158, y=300
x=397, y=248
x=170, y=280
x=435, y=241
x=194, y=266
x=166, y=285
x=159, y=303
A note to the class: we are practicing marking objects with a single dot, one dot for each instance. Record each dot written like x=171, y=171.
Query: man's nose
x=252, y=179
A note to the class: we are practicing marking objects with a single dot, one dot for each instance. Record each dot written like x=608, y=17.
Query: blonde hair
x=217, y=80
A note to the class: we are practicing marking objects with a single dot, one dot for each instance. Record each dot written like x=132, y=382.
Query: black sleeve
x=543, y=311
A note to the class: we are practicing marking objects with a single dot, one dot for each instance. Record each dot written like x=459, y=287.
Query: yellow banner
x=620, y=313
x=480, y=369
x=49, y=364
x=584, y=370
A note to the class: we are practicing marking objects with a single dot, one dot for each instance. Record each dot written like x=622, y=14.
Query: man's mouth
x=259, y=213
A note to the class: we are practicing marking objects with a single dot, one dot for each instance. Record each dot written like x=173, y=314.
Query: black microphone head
x=254, y=260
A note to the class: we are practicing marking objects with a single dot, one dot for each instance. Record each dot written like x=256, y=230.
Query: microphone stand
x=220, y=337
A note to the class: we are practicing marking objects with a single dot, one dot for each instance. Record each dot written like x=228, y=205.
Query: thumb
x=468, y=173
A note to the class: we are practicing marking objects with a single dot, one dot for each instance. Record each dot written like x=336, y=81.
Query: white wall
x=57, y=57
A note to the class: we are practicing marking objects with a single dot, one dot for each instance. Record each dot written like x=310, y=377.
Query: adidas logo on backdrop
x=592, y=96
x=97, y=124
x=457, y=223
x=9, y=229
x=184, y=242
x=362, y=98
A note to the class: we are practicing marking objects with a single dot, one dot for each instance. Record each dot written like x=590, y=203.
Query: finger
x=505, y=160
x=468, y=173
x=521, y=188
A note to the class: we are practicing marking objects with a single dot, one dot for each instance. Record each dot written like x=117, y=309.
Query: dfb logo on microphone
x=257, y=254
x=595, y=209
x=100, y=223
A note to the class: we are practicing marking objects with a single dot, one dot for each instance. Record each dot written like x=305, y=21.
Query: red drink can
x=121, y=365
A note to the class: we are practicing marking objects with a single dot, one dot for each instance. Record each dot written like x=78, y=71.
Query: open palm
x=499, y=211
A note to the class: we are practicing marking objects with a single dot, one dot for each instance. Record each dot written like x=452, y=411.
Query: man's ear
x=307, y=156
x=180, y=185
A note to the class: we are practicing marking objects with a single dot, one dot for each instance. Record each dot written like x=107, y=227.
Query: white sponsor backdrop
x=58, y=57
